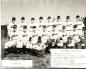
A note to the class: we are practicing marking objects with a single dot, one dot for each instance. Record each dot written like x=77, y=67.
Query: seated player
x=64, y=36
x=13, y=39
x=44, y=36
x=34, y=37
x=29, y=45
x=54, y=36
x=25, y=38
x=38, y=50
x=76, y=37
x=60, y=43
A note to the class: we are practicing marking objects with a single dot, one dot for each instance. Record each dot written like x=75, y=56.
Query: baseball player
x=11, y=45
x=54, y=36
x=59, y=23
x=41, y=23
x=64, y=36
x=76, y=37
x=10, y=26
x=80, y=25
x=49, y=23
x=22, y=29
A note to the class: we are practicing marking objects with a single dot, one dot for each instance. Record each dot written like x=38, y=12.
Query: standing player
x=49, y=23
x=21, y=24
x=80, y=25
x=69, y=25
x=41, y=23
x=59, y=23
x=10, y=27
x=32, y=23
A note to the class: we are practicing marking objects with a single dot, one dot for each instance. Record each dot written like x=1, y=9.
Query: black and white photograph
x=31, y=29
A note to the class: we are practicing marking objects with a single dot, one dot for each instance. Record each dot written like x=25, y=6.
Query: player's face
x=22, y=21
x=67, y=18
x=40, y=20
x=34, y=29
x=74, y=29
x=44, y=28
x=13, y=21
x=53, y=28
x=24, y=30
x=49, y=19
x=32, y=21
x=14, y=30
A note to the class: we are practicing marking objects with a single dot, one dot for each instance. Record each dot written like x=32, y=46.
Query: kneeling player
x=60, y=43
x=70, y=43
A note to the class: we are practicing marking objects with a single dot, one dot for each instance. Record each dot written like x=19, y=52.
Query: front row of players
x=22, y=41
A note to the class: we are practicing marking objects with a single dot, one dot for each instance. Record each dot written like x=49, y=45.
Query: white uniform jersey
x=69, y=25
x=21, y=25
x=60, y=43
x=54, y=35
x=13, y=40
x=45, y=37
x=14, y=35
x=10, y=29
x=33, y=24
x=76, y=37
x=48, y=25
x=34, y=39
x=64, y=36
x=22, y=39
x=71, y=43
x=58, y=24
x=40, y=25
x=79, y=24
x=29, y=42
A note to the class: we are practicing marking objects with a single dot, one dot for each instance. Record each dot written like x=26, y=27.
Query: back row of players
x=56, y=33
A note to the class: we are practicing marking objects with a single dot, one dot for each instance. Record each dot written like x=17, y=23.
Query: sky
x=37, y=8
